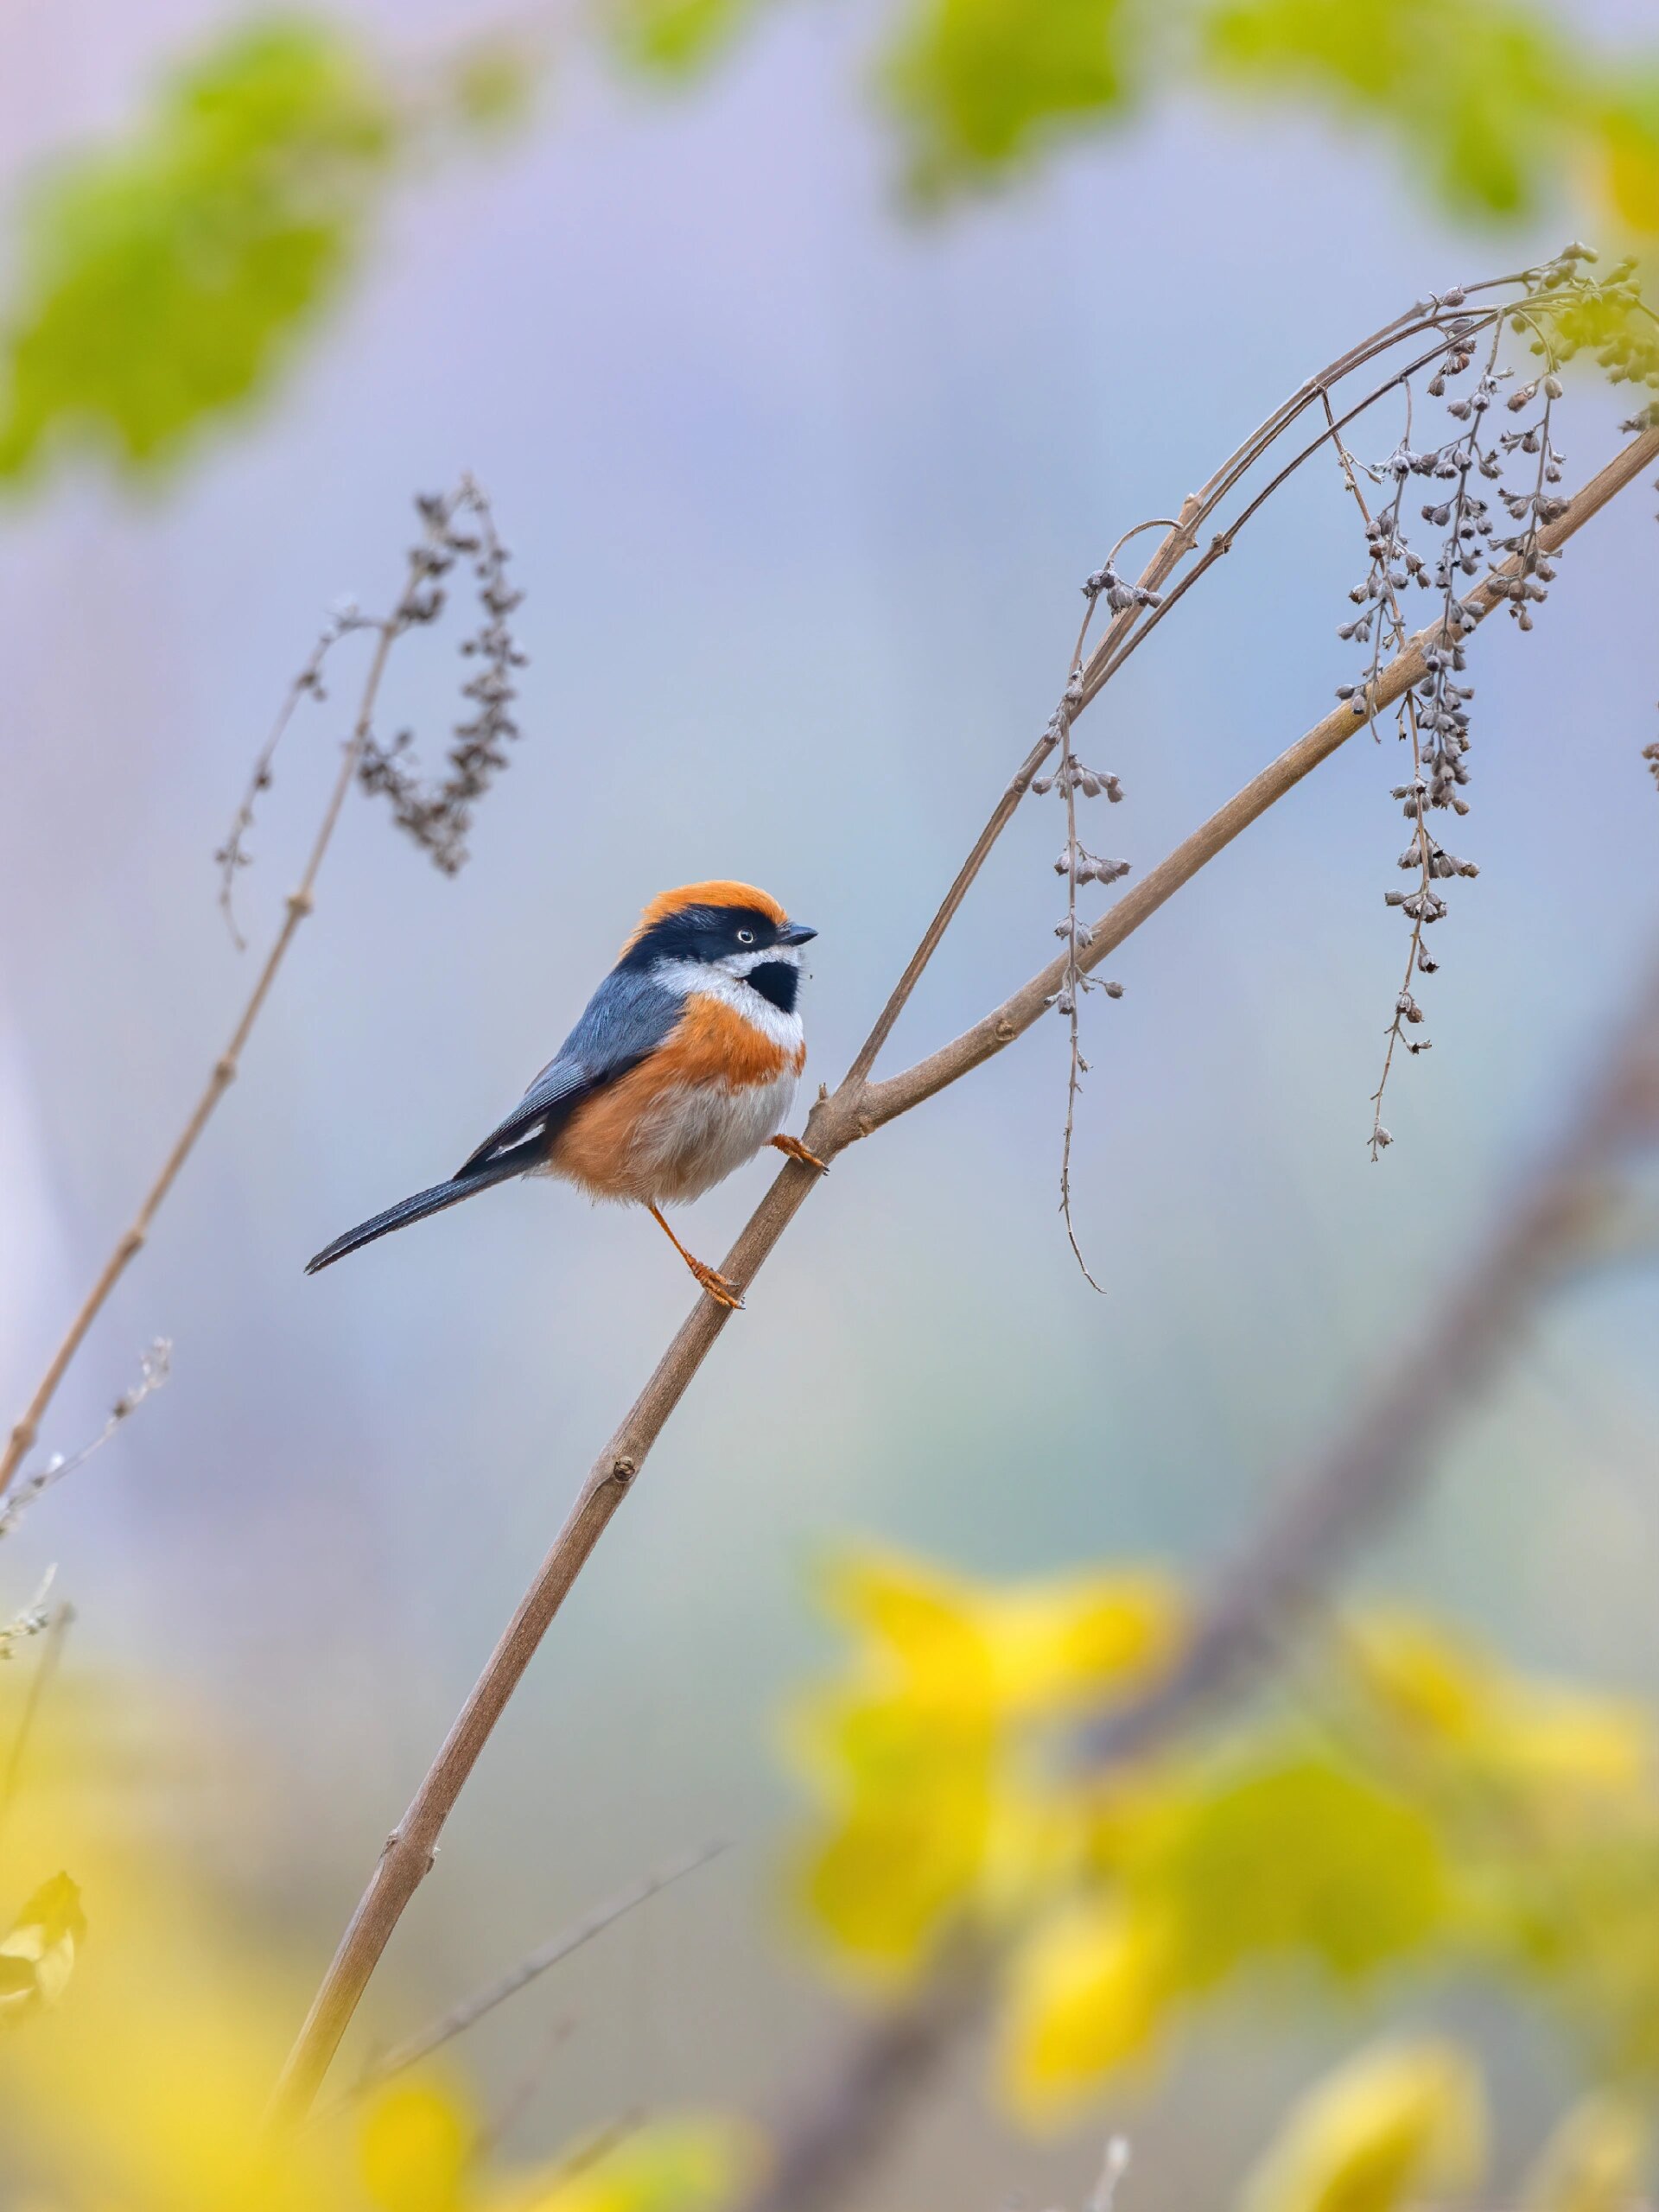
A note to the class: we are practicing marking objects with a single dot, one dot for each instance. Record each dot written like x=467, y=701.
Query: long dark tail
x=416, y=1209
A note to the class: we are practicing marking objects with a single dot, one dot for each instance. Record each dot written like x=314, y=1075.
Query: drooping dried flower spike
x=437, y=816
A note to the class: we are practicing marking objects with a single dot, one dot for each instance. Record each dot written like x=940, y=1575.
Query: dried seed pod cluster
x=456, y=526
x=459, y=526
x=1561, y=308
x=1489, y=490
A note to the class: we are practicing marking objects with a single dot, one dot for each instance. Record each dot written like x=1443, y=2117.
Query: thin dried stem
x=519, y=1976
x=418, y=602
x=53, y=1637
x=856, y=1110
x=518, y=2098
x=233, y=856
x=1179, y=542
x=155, y=1367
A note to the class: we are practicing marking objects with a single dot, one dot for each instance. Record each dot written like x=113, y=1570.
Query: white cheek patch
x=716, y=980
x=772, y=956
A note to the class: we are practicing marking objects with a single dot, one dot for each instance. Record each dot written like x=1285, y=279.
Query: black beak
x=795, y=933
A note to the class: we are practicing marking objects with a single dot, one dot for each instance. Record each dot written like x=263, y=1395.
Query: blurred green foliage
x=982, y=84
x=674, y=38
x=1494, y=106
x=168, y=278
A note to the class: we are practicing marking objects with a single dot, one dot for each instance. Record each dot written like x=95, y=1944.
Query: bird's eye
x=746, y=937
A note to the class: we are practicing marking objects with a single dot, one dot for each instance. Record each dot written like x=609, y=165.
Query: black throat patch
x=778, y=982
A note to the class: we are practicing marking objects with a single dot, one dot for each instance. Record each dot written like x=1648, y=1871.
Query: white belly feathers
x=696, y=1134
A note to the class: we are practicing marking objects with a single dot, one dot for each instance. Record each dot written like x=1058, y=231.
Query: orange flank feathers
x=611, y=1143
x=722, y=892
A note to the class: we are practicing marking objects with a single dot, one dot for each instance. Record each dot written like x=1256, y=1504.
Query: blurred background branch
x=1550, y=1224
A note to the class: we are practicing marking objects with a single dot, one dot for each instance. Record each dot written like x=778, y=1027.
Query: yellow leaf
x=1035, y=1646
x=1593, y=2162
x=1399, y=2120
x=37, y=1952
x=1528, y=1733
x=920, y=1621
x=1088, y=1991
x=1056, y=1645
x=416, y=2144
x=1631, y=172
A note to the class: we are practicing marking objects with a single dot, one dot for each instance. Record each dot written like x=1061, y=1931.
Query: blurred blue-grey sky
x=801, y=490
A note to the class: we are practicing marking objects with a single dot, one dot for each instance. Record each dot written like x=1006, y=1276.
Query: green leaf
x=1306, y=1856
x=167, y=279
x=1483, y=96
x=984, y=85
x=676, y=38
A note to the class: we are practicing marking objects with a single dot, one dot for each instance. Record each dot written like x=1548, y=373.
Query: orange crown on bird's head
x=724, y=892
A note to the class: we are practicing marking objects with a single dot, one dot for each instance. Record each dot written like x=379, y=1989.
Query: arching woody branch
x=855, y=1109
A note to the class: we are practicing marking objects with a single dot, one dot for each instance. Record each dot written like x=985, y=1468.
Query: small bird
x=683, y=1065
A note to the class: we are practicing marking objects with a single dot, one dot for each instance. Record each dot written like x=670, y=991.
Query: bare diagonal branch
x=855, y=1110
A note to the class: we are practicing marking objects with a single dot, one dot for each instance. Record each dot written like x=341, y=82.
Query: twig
x=154, y=1367
x=856, y=1110
x=472, y=2008
x=33, y=1620
x=883, y=1102
x=419, y=602
x=45, y=1668
x=233, y=856
x=496, y=2128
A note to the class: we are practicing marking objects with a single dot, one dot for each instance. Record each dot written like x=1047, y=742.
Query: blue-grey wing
x=626, y=1020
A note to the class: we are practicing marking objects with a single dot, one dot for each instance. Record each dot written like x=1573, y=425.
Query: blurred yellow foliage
x=922, y=1753
x=145, y=2084
x=1434, y=1807
x=37, y=1952
x=1535, y=1736
x=1398, y=2121
x=1595, y=2161
x=1088, y=1992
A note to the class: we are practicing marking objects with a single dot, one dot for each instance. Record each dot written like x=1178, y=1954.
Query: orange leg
x=792, y=1148
x=709, y=1278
